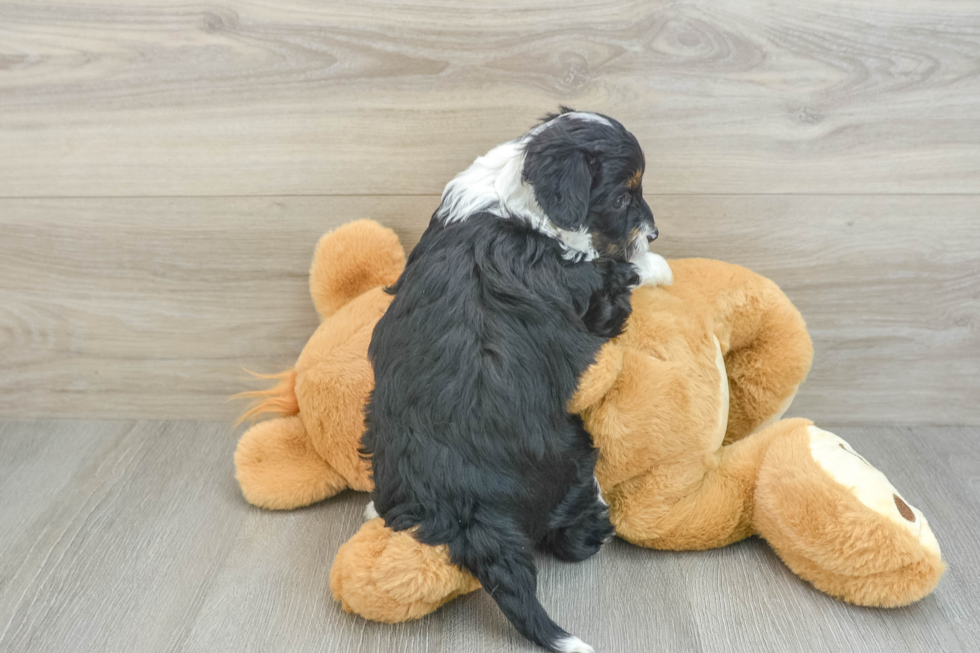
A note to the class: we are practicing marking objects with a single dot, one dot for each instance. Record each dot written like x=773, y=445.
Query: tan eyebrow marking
x=635, y=180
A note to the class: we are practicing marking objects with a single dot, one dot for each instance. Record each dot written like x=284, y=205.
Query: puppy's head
x=586, y=172
x=576, y=177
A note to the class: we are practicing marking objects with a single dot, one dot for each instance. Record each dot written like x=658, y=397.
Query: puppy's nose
x=652, y=236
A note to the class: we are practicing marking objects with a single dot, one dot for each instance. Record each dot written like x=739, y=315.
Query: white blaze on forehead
x=868, y=484
x=585, y=115
x=575, y=115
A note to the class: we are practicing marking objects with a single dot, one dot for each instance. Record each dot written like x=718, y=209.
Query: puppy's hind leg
x=579, y=525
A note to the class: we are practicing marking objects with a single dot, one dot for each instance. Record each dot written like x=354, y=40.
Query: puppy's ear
x=561, y=176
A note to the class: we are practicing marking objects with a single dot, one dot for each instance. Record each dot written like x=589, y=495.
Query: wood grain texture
x=162, y=98
x=150, y=308
x=121, y=555
x=131, y=536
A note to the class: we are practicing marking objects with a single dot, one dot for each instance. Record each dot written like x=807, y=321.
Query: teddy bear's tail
x=279, y=399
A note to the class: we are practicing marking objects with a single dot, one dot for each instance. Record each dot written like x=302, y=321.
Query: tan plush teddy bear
x=684, y=407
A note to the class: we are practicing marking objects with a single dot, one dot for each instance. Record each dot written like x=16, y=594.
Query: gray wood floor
x=131, y=536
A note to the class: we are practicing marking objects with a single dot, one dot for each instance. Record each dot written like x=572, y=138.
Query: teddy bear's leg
x=389, y=576
x=838, y=523
x=764, y=339
x=700, y=502
x=278, y=468
x=769, y=357
x=333, y=393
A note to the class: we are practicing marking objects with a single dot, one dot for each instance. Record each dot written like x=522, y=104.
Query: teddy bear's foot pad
x=838, y=522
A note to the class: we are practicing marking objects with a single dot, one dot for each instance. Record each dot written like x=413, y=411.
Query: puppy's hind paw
x=653, y=269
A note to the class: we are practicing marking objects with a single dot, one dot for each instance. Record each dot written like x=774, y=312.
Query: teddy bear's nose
x=652, y=236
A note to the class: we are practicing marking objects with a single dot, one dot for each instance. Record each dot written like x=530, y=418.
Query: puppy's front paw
x=653, y=270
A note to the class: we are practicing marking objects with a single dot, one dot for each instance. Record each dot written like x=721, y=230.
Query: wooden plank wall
x=165, y=169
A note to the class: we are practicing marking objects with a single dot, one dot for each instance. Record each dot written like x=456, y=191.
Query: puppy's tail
x=507, y=572
x=279, y=399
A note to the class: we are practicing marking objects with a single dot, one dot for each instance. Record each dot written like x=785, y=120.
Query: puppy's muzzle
x=652, y=235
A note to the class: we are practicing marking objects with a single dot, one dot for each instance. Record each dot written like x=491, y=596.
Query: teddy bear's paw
x=278, y=468
x=868, y=484
x=392, y=577
x=370, y=512
x=653, y=269
x=838, y=522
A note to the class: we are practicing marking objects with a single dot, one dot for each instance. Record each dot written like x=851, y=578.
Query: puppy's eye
x=623, y=200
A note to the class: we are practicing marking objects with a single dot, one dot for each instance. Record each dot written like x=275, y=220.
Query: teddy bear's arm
x=698, y=502
x=598, y=378
x=763, y=337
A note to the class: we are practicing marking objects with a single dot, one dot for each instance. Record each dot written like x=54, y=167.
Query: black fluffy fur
x=474, y=363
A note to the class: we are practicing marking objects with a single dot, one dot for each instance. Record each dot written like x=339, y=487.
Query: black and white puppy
x=523, y=273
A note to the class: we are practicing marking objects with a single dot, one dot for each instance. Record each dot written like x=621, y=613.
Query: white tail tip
x=573, y=644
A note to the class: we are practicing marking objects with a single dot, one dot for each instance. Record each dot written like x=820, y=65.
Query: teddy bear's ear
x=598, y=378
x=352, y=259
